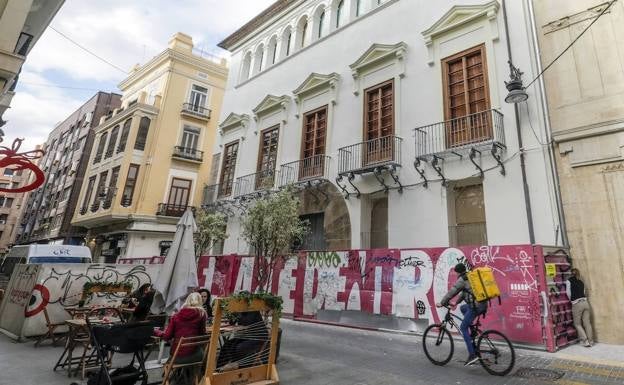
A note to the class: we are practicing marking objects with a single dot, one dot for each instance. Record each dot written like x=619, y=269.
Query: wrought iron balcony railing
x=197, y=110
x=367, y=155
x=172, y=210
x=259, y=181
x=188, y=153
x=481, y=128
x=314, y=167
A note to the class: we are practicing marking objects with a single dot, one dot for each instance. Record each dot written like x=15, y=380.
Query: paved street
x=314, y=354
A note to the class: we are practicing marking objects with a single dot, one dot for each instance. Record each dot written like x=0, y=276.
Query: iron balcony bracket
x=421, y=172
x=395, y=177
x=342, y=187
x=472, y=156
x=497, y=150
x=377, y=172
x=350, y=180
x=435, y=164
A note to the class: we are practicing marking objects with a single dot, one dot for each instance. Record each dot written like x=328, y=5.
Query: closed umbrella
x=178, y=275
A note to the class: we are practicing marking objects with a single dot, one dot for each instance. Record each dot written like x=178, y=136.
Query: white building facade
x=389, y=117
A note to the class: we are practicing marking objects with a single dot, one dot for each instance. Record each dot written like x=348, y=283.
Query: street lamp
x=517, y=92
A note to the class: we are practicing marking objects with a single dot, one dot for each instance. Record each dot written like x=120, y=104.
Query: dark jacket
x=188, y=322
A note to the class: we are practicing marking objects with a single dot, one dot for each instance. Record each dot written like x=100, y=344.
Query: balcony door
x=466, y=98
x=179, y=194
x=313, y=146
x=379, y=124
x=267, y=157
x=198, y=98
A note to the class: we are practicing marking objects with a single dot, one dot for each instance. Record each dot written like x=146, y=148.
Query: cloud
x=124, y=33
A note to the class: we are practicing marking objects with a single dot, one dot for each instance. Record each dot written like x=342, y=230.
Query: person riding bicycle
x=471, y=309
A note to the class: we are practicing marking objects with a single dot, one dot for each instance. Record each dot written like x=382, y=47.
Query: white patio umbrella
x=179, y=272
x=178, y=275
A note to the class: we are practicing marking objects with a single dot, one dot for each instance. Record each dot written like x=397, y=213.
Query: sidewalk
x=602, y=354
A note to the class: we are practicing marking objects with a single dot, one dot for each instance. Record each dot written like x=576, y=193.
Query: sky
x=58, y=77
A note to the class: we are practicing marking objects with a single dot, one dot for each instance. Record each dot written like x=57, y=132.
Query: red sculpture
x=22, y=161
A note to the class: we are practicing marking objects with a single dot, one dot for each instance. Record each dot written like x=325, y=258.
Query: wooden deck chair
x=170, y=367
x=51, y=334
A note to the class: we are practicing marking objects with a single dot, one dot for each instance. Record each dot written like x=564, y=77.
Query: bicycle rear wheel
x=438, y=344
x=496, y=353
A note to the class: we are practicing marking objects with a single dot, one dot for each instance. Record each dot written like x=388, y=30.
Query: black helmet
x=460, y=268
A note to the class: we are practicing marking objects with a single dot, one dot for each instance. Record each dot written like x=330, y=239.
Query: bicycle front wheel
x=496, y=353
x=438, y=344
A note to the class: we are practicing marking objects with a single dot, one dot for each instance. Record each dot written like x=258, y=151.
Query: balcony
x=373, y=156
x=365, y=156
x=304, y=170
x=479, y=129
x=259, y=181
x=187, y=153
x=457, y=137
x=172, y=210
x=469, y=234
x=195, y=111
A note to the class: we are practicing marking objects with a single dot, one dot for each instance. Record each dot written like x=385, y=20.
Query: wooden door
x=379, y=124
x=267, y=156
x=313, y=147
x=179, y=194
x=466, y=98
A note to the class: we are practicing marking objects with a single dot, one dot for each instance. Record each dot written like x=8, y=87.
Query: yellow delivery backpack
x=483, y=283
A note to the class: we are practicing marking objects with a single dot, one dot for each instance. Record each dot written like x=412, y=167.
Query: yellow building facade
x=151, y=157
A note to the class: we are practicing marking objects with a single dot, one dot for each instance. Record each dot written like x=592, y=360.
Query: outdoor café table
x=78, y=336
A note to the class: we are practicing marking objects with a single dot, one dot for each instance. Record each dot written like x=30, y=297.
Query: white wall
x=418, y=217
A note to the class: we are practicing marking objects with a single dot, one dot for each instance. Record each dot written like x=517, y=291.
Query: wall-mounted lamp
x=517, y=92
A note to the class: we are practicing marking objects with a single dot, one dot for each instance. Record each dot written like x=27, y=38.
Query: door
x=467, y=98
x=315, y=238
x=379, y=124
x=267, y=158
x=178, y=196
x=313, y=148
x=198, y=99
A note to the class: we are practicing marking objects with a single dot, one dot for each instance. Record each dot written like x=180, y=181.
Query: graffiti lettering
x=323, y=259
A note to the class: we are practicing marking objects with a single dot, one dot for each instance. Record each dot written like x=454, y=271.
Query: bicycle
x=492, y=347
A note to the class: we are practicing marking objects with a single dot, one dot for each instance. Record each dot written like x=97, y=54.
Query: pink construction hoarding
x=399, y=282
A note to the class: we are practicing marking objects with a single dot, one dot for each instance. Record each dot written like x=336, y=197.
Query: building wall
x=585, y=89
x=418, y=216
x=67, y=150
x=157, y=90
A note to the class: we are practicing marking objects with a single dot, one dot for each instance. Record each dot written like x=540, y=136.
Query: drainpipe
x=525, y=186
x=551, y=147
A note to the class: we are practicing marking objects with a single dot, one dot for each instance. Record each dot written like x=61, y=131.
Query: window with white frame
x=190, y=138
x=198, y=98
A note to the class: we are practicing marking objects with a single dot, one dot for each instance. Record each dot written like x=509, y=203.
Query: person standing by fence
x=581, y=311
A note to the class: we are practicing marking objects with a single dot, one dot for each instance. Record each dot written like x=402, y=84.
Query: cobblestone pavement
x=313, y=354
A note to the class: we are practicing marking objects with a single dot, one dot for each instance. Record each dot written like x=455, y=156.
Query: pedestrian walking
x=581, y=311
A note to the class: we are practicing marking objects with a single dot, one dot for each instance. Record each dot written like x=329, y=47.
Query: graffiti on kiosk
x=399, y=282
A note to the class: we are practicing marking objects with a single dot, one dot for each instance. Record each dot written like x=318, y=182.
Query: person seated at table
x=206, y=298
x=144, y=299
x=190, y=321
x=241, y=351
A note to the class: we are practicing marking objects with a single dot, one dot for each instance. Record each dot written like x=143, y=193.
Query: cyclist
x=471, y=309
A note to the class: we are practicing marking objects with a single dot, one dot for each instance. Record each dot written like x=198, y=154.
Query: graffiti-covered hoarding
x=57, y=286
x=398, y=282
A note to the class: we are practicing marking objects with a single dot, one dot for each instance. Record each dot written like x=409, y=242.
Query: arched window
x=272, y=50
x=246, y=67
x=259, y=57
x=321, y=22
x=286, y=41
x=339, y=13
x=304, y=30
x=141, y=139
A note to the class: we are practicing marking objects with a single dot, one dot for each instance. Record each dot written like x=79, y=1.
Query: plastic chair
x=198, y=342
